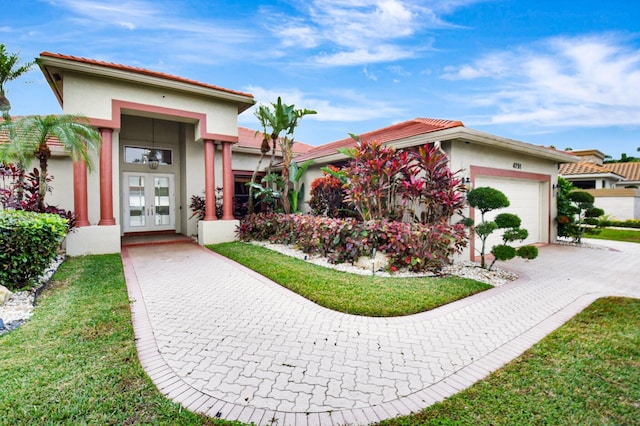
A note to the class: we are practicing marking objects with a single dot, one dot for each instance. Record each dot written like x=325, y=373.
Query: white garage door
x=525, y=197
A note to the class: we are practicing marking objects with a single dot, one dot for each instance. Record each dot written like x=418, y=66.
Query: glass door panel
x=162, y=195
x=137, y=205
x=149, y=202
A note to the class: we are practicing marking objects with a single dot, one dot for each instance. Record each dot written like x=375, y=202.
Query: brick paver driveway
x=227, y=342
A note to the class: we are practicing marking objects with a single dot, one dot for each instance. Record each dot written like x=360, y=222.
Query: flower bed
x=417, y=247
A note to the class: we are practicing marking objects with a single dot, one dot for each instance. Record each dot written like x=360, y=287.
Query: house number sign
x=517, y=166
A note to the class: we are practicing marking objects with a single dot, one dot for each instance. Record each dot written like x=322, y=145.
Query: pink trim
x=117, y=106
x=209, y=180
x=106, y=178
x=476, y=171
x=227, y=182
x=80, y=204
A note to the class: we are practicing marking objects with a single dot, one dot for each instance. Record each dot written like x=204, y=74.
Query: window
x=139, y=155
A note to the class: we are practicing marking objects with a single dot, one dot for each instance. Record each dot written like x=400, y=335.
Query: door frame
x=150, y=206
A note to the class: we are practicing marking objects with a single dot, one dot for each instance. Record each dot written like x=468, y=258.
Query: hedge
x=417, y=247
x=28, y=242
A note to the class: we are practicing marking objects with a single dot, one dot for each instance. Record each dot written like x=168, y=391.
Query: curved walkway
x=227, y=342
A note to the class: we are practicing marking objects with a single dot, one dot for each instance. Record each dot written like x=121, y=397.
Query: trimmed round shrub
x=528, y=252
x=486, y=199
x=503, y=252
x=581, y=198
x=507, y=220
x=515, y=234
x=593, y=212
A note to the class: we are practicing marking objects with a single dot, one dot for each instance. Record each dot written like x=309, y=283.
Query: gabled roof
x=631, y=171
x=53, y=66
x=248, y=139
x=586, y=168
x=398, y=131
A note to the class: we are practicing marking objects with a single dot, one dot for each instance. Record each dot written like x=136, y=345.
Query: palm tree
x=31, y=134
x=9, y=70
x=282, y=118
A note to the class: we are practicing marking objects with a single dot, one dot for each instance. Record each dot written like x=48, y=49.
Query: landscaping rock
x=378, y=263
x=5, y=294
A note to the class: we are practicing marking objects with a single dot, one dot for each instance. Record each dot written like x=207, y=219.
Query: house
x=613, y=185
x=166, y=138
x=525, y=173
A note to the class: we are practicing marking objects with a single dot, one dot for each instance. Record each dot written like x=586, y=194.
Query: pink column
x=80, y=204
x=227, y=182
x=209, y=180
x=106, y=178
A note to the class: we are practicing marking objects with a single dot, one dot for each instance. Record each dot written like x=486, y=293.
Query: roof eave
x=482, y=138
x=44, y=62
x=591, y=176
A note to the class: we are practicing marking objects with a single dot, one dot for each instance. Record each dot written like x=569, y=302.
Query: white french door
x=149, y=202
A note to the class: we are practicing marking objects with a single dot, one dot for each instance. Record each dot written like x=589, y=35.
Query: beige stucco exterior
x=490, y=161
x=146, y=109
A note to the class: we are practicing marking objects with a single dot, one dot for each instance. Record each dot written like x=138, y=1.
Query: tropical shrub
x=582, y=203
x=373, y=177
x=432, y=186
x=28, y=243
x=327, y=196
x=418, y=247
x=566, y=209
x=412, y=185
x=21, y=191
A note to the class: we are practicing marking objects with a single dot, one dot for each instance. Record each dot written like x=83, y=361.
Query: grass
x=74, y=362
x=630, y=235
x=585, y=373
x=350, y=293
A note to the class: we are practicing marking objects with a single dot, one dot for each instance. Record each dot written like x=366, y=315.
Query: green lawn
x=585, y=373
x=350, y=293
x=74, y=362
x=629, y=235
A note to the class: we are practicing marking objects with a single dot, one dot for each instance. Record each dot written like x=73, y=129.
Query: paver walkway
x=229, y=343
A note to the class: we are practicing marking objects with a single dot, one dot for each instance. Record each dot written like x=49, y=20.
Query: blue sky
x=559, y=72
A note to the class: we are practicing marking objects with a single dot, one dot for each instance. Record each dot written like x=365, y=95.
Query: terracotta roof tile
x=583, y=168
x=247, y=138
x=631, y=171
x=398, y=131
x=142, y=71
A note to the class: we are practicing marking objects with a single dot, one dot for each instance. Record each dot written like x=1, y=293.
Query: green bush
x=503, y=252
x=528, y=252
x=28, y=241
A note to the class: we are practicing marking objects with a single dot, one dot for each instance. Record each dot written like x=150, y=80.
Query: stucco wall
x=618, y=203
x=92, y=96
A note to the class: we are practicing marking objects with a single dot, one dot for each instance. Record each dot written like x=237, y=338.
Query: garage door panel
x=525, y=202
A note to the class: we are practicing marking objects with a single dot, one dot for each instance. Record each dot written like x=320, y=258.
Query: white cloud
x=581, y=81
x=358, y=32
x=385, y=53
x=352, y=108
x=129, y=14
x=369, y=74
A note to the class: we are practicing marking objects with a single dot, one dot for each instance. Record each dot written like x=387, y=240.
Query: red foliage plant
x=415, y=246
x=327, y=196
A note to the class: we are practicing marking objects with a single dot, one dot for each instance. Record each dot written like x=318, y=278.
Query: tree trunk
x=43, y=153
x=286, y=161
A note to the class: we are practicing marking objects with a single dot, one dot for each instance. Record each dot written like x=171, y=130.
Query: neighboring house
x=527, y=174
x=193, y=130
x=614, y=185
